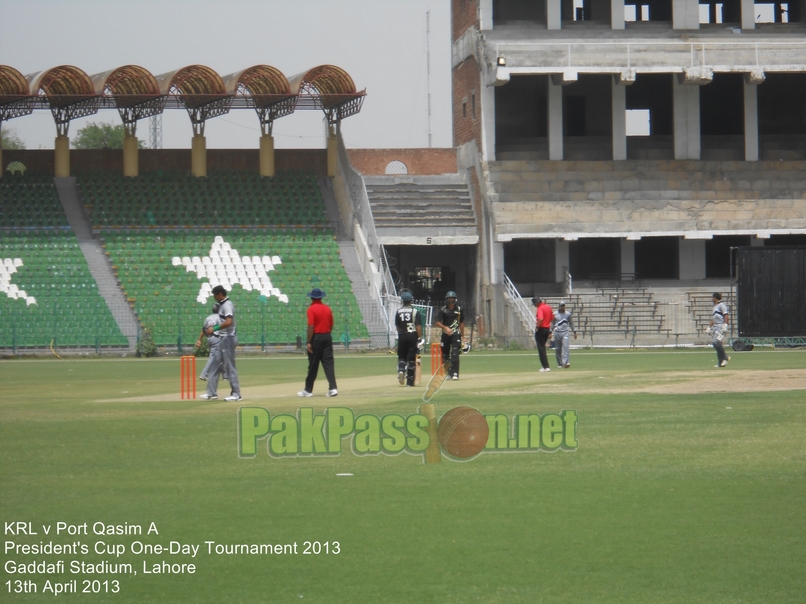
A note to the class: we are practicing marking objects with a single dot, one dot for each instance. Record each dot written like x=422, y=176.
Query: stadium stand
x=269, y=251
x=30, y=201
x=49, y=294
x=229, y=199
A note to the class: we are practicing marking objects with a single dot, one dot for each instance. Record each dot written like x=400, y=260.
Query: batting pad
x=436, y=381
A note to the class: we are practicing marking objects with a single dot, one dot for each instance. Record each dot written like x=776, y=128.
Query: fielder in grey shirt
x=563, y=326
x=226, y=349
x=719, y=329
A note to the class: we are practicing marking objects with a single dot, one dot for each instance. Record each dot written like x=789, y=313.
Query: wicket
x=436, y=357
x=187, y=377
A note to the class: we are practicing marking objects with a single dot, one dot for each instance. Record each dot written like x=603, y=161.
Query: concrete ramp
x=97, y=261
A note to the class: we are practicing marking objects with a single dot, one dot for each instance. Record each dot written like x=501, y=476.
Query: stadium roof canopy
x=67, y=91
x=70, y=93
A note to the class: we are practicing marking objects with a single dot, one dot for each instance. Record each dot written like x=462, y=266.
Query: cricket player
x=543, y=318
x=320, y=344
x=452, y=323
x=225, y=359
x=409, y=324
x=212, y=341
x=719, y=329
x=563, y=326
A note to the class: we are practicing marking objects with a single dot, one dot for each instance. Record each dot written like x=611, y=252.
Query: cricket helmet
x=450, y=294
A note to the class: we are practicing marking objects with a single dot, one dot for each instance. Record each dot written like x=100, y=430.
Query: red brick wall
x=171, y=160
x=466, y=86
x=464, y=15
x=418, y=161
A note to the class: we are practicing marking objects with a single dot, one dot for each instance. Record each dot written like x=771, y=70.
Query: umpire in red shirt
x=320, y=343
x=543, y=319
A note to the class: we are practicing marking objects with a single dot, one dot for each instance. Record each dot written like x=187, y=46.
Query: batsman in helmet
x=409, y=324
x=452, y=323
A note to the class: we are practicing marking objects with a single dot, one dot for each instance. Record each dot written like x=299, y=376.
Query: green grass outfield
x=688, y=484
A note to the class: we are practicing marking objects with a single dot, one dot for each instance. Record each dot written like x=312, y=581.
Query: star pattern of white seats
x=9, y=266
x=224, y=266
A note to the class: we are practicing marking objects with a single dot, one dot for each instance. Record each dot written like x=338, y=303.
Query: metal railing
x=371, y=254
x=524, y=311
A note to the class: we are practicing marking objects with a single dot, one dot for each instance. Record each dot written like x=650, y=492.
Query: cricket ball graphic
x=463, y=432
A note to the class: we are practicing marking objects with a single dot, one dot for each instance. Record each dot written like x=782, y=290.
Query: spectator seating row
x=30, y=201
x=220, y=199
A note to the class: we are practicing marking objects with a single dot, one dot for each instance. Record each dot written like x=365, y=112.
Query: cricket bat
x=436, y=381
x=418, y=371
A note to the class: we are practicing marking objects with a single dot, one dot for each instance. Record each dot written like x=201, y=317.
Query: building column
x=748, y=14
x=685, y=14
x=198, y=156
x=61, y=167
x=627, y=257
x=691, y=257
x=485, y=14
x=562, y=259
x=686, y=120
x=266, y=155
x=497, y=262
x=555, y=106
x=554, y=14
x=617, y=14
x=332, y=152
x=131, y=160
x=750, y=121
x=487, y=123
x=619, y=104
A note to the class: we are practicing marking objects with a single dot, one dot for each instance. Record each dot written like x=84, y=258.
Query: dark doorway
x=657, y=258
x=717, y=254
x=595, y=258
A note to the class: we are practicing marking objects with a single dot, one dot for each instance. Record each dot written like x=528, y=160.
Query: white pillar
x=616, y=14
x=485, y=14
x=750, y=122
x=748, y=14
x=497, y=262
x=686, y=14
x=619, y=104
x=555, y=104
x=488, y=123
x=553, y=14
x=686, y=120
x=692, y=258
x=627, y=257
x=562, y=259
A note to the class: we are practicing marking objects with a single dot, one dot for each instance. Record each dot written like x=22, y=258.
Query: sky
x=380, y=43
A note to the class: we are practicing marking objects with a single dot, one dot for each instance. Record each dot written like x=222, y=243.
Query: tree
x=101, y=136
x=10, y=140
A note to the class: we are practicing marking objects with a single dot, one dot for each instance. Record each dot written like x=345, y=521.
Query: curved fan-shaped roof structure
x=263, y=85
x=195, y=85
x=64, y=85
x=198, y=89
x=13, y=85
x=15, y=96
x=329, y=84
x=69, y=92
x=129, y=85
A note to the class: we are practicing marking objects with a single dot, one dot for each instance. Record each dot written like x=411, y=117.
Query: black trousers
x=450, y=350
x=322, y=345
x=407, y=355
x=541, y=337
